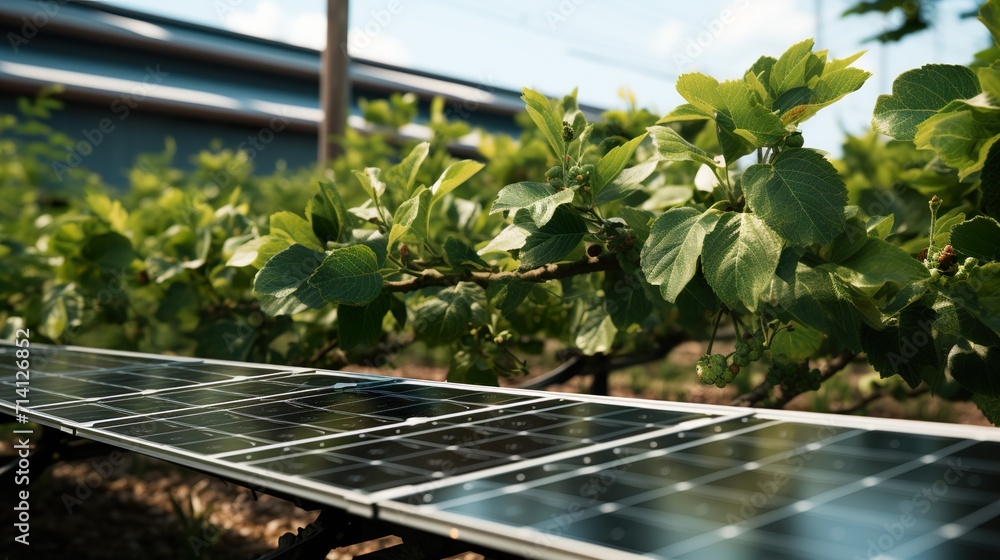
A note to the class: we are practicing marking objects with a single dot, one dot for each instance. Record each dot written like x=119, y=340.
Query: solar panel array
x=538, y=474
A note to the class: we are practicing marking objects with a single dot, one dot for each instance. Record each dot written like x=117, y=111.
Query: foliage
x=586, y=253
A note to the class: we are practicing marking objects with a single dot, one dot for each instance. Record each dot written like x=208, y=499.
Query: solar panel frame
x=390, y=505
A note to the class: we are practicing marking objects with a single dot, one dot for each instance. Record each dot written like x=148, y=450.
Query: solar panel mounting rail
x=533, y=474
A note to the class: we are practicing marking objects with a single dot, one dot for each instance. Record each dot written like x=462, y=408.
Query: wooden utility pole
x=334, y=83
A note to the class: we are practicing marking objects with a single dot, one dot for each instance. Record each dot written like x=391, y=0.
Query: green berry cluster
x=794, y=378
x=749, y=349
x=715, y=370
x=567, y=131
x=575, y=176
x=963, y=270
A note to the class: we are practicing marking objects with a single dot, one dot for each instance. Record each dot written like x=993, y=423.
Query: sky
x=601, y=46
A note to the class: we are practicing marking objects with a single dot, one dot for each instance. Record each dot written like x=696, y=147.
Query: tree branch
x=876, y=395
x=542, y=273
x=760, y=392
x=584, y=365
x=837, y=363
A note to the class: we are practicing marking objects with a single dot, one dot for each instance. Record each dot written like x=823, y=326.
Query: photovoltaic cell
x=540, y=474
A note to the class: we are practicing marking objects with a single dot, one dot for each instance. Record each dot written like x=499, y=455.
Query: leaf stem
x=715, y=329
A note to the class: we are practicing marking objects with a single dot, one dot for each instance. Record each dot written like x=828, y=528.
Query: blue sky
x=601, y=46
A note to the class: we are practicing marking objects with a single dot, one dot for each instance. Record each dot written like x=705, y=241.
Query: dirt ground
x=130, y=511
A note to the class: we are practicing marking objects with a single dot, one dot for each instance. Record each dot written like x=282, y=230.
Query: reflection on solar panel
x=543, y=475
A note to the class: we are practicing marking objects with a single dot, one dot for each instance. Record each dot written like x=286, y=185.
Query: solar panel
x=545, y=475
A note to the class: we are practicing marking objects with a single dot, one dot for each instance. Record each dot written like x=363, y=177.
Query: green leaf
x=627, y=182
x=958, y=139
x=257, y=251
x=294, y=229
x=540, y=200
x=410, y=220
x=401, y=176
x=790, y=70
x=327, y=213
x=471, y=370
x=978, y=237
x=594, y=331
x=286, y=271
x=461, y=256
x=989, y=80
x=976, y=367
x=456, y=174
x=62, y=310
x=540, y=110
x=686, y=112
x=305, y=297
x=739, y=258
x=879, y=262
x=954, y=323
x=349, y=275
x=841, y=63
x=371, y=182
x=799, y=195
x=919, y=94
x=762, y=70
x=818, y=299
x=701, y=91
x=990, y=406
x=980, y=294
x=795, y=97
x=398, y=309
x=512, y=237
x=802, y=343
x=854, y=237
x=361, y=325
x=880, y=227
x=989, y=15
x=625, y=298
x=744, y=123
x=638, y=220
x=374, y=240
x=446, y=316
x=672, y=147
x=111, y=252
x=669, y=258
x=944, y=225
x=907, y=349
x=553, y=241
x=989, y=184
x=613, y=162
x=507, y=294
x=829, y=89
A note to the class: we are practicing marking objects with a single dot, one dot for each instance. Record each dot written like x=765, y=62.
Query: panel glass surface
x=600, y=473
x=752, y=489
x=459, y=444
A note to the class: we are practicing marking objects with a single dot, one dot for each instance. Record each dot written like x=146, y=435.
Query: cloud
x=306, y=30
x=261, y=22
x=732, y=34
x=270, y=21
x=377, y=47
